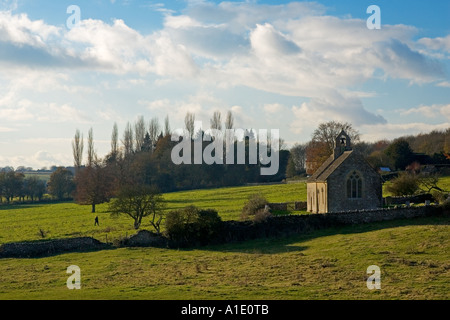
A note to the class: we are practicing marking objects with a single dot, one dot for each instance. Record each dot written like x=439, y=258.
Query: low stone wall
x=278, y=206
x=145, y=238
x=296, y=224
x=366, y=216
x=421, y=198
x=32, y=249
x=285, y=206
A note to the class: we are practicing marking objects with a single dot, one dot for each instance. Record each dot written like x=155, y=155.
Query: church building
x=344, y=182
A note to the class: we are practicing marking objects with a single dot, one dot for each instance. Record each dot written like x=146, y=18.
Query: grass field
x=61, y=220
x=413, y=256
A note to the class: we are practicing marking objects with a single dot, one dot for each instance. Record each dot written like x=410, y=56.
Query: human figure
x=96, y=221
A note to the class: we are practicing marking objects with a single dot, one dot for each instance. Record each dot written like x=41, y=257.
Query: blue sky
x=286, y=65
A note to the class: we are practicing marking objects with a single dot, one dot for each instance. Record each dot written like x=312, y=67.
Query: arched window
x=354, y=186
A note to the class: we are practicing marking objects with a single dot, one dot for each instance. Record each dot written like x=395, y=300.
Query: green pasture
x=413, y=256
x=62, y=220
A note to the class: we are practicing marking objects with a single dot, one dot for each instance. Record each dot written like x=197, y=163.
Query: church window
x=354, y=186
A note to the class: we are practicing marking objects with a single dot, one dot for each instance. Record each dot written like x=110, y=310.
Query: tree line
x=399, y=154
x=143, y=158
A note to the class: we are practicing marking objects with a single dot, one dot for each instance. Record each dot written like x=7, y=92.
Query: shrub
x=255, y=205
x=190, y=226
x=405, y=185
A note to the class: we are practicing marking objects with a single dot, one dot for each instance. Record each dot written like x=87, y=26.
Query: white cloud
x=332, y=107
x=439, y=43
x=434, y=111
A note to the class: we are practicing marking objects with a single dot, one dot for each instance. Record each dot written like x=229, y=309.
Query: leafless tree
x=166, y=126
x=91, y=152
x=229, y=121
x=139, y=133
x=216, y=121
x=189, y=122
x=77, y=148
x=115, y=141
x=154, y=130
x=128, y=140
x=328, y=131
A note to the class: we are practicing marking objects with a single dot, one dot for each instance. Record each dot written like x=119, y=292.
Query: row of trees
x=15, y=185
x=143, y=157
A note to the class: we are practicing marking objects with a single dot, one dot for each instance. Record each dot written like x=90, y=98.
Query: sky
x=287, y=65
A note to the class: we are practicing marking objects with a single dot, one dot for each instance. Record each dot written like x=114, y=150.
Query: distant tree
x=61, y=184
x=229, y=121
x=77, y=149
x=34, y=188
x=153, y=131
x=401, y=154
x=166, y=126
x=2, y=182
x=147, y=145
x=94, y=185
x=138, y=202
x=91, y=152
x=139, y=133
x=12, y=185
x=128, y=140
x=316, y=154
x=298, y=155
x=189, y=122
x=216, y=121
x=115, y=141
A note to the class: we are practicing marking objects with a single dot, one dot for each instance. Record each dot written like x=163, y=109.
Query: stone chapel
x=344, y=182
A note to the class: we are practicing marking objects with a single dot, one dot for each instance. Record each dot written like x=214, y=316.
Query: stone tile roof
x=328, y=167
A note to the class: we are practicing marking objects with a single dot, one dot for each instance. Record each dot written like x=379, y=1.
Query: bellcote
x=342, y=143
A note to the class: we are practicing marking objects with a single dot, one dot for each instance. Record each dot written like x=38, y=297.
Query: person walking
x=96, y=221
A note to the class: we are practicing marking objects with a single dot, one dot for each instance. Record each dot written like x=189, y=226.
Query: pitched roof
x=329, y=166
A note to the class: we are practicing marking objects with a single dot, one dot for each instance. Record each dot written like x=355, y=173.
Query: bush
x=405, y=185
x=255, y=205
x=191, y=226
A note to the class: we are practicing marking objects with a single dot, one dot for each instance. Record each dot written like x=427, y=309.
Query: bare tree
x=115, y=141
x=298, y=154
x=189, y=122
x=128, y=140
x=77, y=148
x=166, y=126
x=328, y=131
x=139, y=133
x=216, y=121
x=229, y=121
x=91, y=151
x=153, y=130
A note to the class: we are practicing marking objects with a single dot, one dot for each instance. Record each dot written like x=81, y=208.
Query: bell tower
x=342, y=143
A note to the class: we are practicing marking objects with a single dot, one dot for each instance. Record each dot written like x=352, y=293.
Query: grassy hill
x=328, y=264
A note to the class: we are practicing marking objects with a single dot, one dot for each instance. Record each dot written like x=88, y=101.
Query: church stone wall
x=337, y=187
